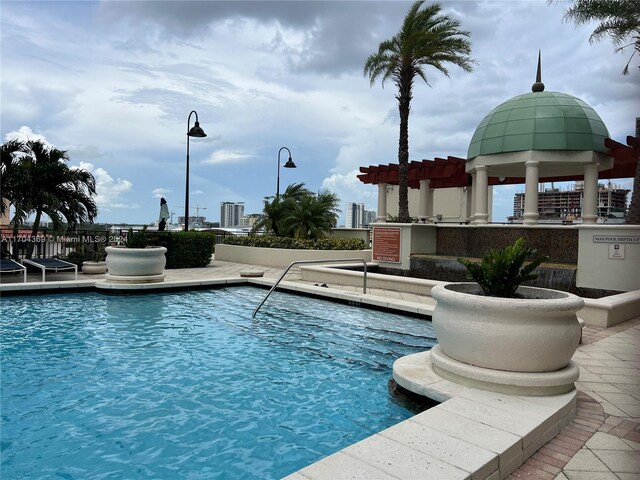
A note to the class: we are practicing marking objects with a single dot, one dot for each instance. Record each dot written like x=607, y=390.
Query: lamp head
x=289, y=164
x=196, y=131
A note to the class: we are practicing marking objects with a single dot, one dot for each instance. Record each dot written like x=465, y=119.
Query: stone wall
x=559, y=243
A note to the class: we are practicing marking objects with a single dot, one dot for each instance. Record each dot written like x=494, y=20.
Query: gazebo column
x=382, y=203
x=481, y=194
x=532, y=177
x=425, y=200
x=590, y=194
x=471, y=192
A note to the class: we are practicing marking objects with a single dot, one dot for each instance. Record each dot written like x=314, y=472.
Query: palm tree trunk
x=633, y=215
x=403, y=158
x=34, y=232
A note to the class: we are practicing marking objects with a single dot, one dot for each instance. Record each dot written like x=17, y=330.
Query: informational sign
x=386, y=244
x=616, y=250
x=616, y=239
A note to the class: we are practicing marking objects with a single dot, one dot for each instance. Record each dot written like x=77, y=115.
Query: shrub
x=187, y=249
x=137, y=239
x=501, y=272
x=271, y=241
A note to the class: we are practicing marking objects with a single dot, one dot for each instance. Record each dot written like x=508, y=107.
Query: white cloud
x=109, y=191
x=25, y=134
x=160, y=192
x=227, y=156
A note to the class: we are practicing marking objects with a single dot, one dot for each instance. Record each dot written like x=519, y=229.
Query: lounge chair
x=11, y=266
x=51, y=265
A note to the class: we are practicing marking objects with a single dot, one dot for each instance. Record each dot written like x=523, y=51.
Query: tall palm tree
x=45, y=184
x=425, y=39
x=619, y=20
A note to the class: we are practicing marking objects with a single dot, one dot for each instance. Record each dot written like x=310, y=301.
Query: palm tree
x=275, y=209
x=426, y=38
x=43, y=183
x=312, y=216
x=11, y=173
x=619, y=20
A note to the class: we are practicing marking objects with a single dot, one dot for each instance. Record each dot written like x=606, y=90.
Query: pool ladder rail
x=300, y=262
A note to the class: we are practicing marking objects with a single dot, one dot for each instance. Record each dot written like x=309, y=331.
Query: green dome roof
x=539, y=121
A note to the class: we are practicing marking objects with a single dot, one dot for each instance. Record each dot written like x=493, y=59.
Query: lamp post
x=289, y=164
x=195, y=131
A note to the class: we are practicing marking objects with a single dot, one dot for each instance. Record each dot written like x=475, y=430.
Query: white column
x=423, y=210
x=471, y=192
x=590, y=194
x=532, y=177
x=481, y=194
x=382, y=203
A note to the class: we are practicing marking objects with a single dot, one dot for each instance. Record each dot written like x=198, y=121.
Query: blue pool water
x=188, y=385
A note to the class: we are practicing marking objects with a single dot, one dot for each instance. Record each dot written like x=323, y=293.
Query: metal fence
x=47, y=244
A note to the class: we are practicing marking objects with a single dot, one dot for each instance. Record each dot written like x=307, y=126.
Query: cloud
x=25, y=134
x=109, y=191
x=160, y=192
x=227, y=156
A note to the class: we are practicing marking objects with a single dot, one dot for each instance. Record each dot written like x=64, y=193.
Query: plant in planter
x=136, y=261
x=96, y=261
x=501, y=272
x=498, y=335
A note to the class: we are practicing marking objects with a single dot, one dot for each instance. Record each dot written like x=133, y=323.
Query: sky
x=113, y=83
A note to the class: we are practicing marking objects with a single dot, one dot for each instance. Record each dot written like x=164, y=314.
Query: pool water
x=188, y=385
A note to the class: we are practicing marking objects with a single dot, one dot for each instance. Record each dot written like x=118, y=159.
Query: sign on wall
x=616, y=250
x=386, y=244
x=616, y=239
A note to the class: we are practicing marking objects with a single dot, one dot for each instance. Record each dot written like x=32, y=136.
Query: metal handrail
x=364, y=284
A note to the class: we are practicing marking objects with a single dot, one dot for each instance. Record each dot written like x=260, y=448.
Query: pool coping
x=472, y=434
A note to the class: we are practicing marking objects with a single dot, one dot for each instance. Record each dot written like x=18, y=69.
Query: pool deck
x=474, y=434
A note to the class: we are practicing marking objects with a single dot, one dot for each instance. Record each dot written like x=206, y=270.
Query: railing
x=47, y=244
x=299, y=262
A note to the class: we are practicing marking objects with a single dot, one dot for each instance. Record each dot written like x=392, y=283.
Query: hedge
x=186, y=249
x=270, y=241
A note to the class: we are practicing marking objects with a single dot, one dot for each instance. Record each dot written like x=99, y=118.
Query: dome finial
x=538, y=86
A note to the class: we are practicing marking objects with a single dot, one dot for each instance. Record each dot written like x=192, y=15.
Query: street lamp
x=289, y=164
x=195, y=131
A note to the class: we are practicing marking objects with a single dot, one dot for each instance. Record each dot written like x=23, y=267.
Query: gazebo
x=531, y=138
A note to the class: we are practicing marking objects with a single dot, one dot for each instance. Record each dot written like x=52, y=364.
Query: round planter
x=135, y=262
x=94, y=268
x=536, y=333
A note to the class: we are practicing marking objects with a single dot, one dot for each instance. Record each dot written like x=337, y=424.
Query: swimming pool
x=187, y=385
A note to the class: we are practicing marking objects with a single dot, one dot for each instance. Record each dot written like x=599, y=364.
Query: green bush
x=187, y=249
x=501, y=272
x=271, y=241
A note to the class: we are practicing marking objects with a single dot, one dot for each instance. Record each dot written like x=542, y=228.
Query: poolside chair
x=51, y=265
x=11, y=266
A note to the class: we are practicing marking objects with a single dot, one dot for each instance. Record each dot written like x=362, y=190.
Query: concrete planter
x=94, y=268
x=135, y=265
x=537, y=333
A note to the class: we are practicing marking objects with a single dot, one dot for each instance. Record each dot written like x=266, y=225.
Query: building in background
x=231, y=213
x=249, y=220
x=565, y=206
x=354, y=215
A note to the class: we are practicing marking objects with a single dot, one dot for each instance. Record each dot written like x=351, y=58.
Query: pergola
x=428, y=175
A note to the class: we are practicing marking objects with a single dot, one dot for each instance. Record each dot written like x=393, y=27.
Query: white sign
x=616, y=251
x=616, y=239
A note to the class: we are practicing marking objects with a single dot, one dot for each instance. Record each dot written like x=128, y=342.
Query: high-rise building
x=566, y=205
x=231, y=213
x=354, y=217
x=369, y=217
